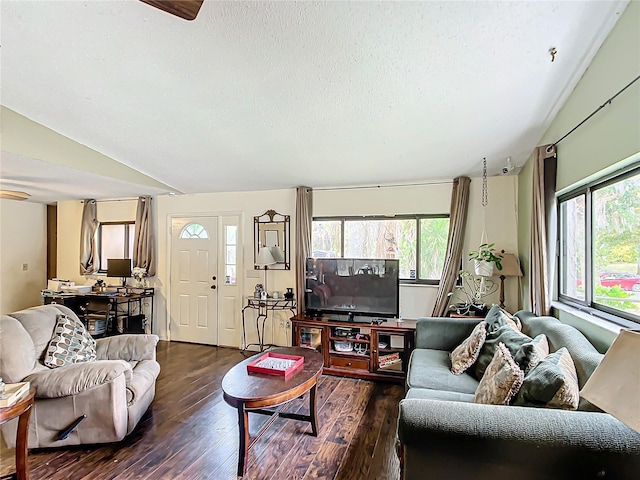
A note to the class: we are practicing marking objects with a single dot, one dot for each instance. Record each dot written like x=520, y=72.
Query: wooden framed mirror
x=272, y=229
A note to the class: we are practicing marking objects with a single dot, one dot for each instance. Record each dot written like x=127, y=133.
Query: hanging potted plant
x=485, y=258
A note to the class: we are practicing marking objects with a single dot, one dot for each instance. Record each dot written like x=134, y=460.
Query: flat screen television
x=352, y=289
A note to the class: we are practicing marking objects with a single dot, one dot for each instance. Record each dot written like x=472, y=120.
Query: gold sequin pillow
x=501, y=380
x=71, y=343
x=465, y=354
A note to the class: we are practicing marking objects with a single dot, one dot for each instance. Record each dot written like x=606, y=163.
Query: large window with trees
x=599, y=261
x=418, y=241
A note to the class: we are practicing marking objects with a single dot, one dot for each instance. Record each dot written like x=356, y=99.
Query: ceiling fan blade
x=187, y=9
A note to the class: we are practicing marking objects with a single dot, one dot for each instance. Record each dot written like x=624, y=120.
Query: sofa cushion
x=40, y=323
x=501, y=380
x=552, y=383
x=426, y=393
x=466, y=354
x=432, y=369
x=71, y=343
x=532, y=352
x=512, y=339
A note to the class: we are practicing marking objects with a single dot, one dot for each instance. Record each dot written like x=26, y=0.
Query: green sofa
x=444, y=435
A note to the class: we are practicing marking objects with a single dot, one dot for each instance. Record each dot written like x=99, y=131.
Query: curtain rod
x=608, y=102
x=366, y=187
x=132, y=199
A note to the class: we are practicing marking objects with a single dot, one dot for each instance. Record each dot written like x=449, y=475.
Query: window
x=418, y=241
x=599, y=263
x=230, y=246
x=115, y=240
x=194, y=230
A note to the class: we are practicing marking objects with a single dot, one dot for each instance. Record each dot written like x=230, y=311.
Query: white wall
x=501, y=226
x=23, y=239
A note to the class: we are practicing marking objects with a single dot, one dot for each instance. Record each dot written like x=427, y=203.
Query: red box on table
x=297, y=365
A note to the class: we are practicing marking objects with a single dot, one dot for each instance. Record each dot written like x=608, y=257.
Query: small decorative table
x=21, y=409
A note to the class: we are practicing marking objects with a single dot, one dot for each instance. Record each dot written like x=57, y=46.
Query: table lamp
x=510, y=268
x=265, y=258
x=614, y=386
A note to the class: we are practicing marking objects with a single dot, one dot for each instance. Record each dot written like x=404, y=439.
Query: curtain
x=304, y=217
x=542, y=229
x=453, y=258
x=143, y=251
x=89, y=262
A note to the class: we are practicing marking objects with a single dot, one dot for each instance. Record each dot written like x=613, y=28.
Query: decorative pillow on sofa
x=71, y=343
x=512, y=339
x=531, y=353
x=497, y=317
x=551, y=383
x=465, y=354
x=501, y=381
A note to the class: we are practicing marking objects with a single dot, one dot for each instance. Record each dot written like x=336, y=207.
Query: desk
x=263, y=307
x=21, y=409
x=109, y=312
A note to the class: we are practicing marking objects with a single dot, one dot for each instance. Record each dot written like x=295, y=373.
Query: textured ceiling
x=265, y=95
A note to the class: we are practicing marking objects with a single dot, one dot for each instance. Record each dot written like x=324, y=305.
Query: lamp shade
x=265, y=257
x=277, y=253
x=510, y=266
x=614, y=386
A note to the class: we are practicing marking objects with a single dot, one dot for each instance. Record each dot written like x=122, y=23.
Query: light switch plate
x=253, y=273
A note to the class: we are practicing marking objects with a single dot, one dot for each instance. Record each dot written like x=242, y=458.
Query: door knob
x=213, y=287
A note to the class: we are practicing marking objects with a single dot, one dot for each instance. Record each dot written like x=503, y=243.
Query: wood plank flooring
x=191, y=433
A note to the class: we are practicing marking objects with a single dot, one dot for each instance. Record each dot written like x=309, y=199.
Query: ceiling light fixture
x=14, y=195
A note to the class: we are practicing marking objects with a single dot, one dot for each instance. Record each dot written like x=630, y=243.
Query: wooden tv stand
x=359, y=350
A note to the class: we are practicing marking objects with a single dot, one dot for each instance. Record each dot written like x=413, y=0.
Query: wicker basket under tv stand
x=365, y=360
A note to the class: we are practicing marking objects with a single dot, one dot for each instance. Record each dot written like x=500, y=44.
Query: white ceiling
x=266, y=95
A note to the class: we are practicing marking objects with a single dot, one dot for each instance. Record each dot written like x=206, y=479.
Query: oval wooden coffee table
x=259, y=393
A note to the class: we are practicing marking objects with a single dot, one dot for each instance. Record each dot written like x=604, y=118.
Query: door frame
x=220, y=253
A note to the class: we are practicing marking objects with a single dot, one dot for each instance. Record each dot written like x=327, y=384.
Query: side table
x=263, y=306
x=21, y=409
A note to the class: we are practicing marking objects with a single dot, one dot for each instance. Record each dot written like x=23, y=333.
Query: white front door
x=194, y=280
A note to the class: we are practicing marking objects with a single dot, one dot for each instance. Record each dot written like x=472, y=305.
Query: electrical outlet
x=25, y=266
x=288, y=324
x=281, y=323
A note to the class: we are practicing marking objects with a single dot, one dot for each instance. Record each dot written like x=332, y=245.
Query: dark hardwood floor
x=191, y=433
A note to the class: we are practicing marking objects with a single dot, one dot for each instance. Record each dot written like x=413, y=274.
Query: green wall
x=607, y=141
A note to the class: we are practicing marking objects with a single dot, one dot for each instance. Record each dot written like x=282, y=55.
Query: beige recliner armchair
x=113, y=392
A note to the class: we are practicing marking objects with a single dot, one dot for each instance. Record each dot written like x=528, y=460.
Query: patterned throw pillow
x=551, y=383
x=71, y=343
x=512, y=339
x=465, y=354
x=531, y=353
x=501, y=381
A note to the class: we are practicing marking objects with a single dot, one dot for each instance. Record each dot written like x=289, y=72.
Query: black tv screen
x=344, y=288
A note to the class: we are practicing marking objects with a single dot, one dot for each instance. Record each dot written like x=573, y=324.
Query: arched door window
x=194, y=230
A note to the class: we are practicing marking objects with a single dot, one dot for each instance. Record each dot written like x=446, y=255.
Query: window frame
x=588, y=305
x=417, y=217
x=127, y=226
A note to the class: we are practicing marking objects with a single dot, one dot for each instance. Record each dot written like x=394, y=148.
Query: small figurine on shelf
x=289, y=293
x=257, y=293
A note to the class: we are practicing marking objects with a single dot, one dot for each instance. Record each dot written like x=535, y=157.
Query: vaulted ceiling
x=267, y=95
